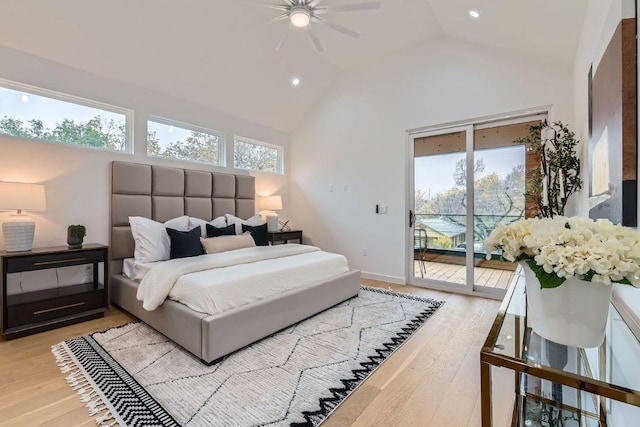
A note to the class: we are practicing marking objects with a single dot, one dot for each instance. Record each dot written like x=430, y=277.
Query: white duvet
x=219, y=282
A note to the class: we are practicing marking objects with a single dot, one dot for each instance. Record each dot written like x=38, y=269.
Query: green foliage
x=255, y=157
x=197, y=147
x=153, y=144
x=558, y=154
x=97, y=132
x=443, y=242
x=77, y=231
x=547, y=280
x=422, y=203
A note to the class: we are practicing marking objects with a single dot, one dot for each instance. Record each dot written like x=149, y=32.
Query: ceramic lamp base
x=18, y=233
x=272, y=222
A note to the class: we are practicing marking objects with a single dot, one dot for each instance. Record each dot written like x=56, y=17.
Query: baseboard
x=384, y=278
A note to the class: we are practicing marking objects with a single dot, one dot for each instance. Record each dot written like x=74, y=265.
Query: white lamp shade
x=271, y=203
x=22, y=196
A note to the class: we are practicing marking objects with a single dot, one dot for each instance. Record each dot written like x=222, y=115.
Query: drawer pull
x=78, y=304
x=58, y=262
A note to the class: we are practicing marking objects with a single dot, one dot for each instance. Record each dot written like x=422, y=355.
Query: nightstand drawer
x=43, y=310
x=30, y=263
x=289, y=235
x=285, y=236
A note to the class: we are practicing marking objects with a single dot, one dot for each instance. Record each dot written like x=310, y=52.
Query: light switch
x=331, y=188
x=345, y=187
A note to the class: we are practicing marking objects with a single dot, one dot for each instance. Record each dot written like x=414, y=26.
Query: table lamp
x=18, y=229
x=269, y=205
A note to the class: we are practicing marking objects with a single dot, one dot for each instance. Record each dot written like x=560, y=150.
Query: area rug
x=134, y=376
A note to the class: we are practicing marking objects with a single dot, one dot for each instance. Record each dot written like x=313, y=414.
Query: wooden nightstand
x=285, y=236
x=53, y=305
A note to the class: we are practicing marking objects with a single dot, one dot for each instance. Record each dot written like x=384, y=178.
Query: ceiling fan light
x=300, y=17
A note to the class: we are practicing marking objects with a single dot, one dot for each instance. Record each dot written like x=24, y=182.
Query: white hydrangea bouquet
x=558, y=248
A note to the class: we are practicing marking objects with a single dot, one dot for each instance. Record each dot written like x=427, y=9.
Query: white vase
x=574, y=314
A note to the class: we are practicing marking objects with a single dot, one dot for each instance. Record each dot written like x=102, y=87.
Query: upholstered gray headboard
x=162, y=193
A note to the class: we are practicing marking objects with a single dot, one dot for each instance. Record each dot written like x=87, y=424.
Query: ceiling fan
x=301, y=13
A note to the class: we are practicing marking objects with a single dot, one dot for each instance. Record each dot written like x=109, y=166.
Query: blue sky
x=25, y=106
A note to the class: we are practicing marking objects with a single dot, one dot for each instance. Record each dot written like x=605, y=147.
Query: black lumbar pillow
x=229, y=230
x=259, y=233
x=185, y=243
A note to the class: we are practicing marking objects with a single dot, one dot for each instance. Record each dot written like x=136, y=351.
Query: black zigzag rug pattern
x=328, y=404
x=110, y=391
x=106, y=387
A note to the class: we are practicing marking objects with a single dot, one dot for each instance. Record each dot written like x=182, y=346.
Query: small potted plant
x=75, y=236
x=558, y=176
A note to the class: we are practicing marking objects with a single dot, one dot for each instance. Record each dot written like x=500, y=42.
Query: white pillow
x=216, y=222
x=253, y=221
x=214, y=245
x=151, y=238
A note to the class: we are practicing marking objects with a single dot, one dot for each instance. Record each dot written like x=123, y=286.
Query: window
x=257, y=156
x=174, y=140
x=44, y=115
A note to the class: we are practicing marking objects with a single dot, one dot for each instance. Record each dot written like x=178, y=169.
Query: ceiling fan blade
x=313, y=3
x=337, y=27
x=284, y=40
x=315, y=40
x=348, y=7
x=276, y=19
x=269, y=5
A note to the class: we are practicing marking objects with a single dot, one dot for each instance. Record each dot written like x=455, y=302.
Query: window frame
x=278, y=148
x=222, y=139
x=73, y=99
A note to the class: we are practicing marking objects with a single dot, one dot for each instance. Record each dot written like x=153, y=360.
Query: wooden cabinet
x=54, y=304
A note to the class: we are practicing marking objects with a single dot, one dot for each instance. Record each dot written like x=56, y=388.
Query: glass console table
x=527, y=380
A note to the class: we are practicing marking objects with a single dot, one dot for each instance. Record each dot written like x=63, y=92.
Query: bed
x=161, y=193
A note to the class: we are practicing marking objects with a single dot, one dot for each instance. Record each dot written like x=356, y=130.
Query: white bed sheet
x=135, y=270
x=221, y=289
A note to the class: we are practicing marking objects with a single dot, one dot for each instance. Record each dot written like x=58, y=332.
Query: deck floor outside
x=486, y=277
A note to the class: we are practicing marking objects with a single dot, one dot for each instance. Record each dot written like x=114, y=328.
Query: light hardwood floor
x=432, y=380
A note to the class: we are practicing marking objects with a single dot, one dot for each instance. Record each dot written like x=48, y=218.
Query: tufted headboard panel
x=162, y=193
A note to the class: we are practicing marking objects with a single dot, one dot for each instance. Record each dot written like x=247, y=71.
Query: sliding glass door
x=440, y=207
x=465, y=181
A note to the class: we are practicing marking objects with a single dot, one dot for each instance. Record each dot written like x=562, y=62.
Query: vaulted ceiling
x=220, y=53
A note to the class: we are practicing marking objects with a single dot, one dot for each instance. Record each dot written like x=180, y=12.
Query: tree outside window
x=254, y=155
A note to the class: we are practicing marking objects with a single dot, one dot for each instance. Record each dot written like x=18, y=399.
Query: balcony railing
x=447, y=241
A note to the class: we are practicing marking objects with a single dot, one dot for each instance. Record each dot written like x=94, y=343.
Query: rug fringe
x=79, y=382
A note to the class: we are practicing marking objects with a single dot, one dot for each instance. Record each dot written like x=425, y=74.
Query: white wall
x=357, y=136
x=77, y=179
x=601, y=20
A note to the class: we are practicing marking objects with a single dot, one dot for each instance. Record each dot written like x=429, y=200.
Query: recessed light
x=474, y=14
x=24, y=98
x=295, y=81
x=171, y=128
